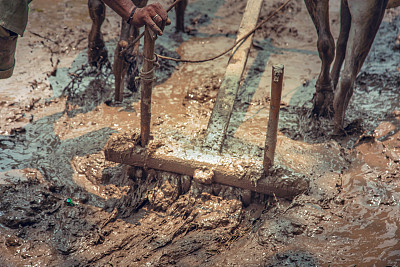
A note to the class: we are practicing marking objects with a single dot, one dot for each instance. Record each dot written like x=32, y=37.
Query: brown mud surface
x=57, y=114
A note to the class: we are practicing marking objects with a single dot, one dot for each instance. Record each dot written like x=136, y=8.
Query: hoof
x=322, y=105
x=323, y=100
x=132, y=83
x=339, y=132
x=131, y=78
x=97, y=54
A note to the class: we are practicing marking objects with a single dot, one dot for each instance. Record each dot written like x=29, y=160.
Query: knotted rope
x=149, y=75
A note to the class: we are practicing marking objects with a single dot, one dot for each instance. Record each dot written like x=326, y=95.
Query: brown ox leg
x=180, y=15
x=366, y=16
x=345, y=20
x=127, y=63
x=123, y=62
x=323, y=98
x=97, y=53
x=133, y=65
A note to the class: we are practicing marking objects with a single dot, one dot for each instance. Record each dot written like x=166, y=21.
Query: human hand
x=153, y=15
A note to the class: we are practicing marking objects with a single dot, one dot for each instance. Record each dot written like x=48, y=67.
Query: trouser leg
x=13, y=20
x=8, y=43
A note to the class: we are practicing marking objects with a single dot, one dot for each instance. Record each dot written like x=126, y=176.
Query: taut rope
x=242, y=39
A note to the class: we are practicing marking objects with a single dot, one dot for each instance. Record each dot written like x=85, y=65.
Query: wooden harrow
x=205, y=160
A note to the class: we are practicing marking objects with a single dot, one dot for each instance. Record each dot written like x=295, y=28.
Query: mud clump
x=166, y=193
x=165, y=218
x=281, y=231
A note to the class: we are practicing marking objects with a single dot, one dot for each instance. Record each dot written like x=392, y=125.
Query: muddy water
x=52, y=139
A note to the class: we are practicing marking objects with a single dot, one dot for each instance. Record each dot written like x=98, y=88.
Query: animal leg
x=133, y=65
x=345, y=21
x=133, y=68
x=365, y=21
x=127, y=62
x=120, y=63
x=180, y=15
x=323, y=98
x=97, y=53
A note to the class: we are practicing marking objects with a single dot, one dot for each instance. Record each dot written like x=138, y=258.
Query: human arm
x=152, y=15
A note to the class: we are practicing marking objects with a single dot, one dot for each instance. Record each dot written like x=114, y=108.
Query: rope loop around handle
x=149, y=75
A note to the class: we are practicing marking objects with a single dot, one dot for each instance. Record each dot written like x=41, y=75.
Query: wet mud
x=62, y=203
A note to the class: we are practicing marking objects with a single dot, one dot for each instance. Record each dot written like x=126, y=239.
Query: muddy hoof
x=339, y=132
x=355, y=127
x=132, y=83
x=323, y=102
x=97, y=54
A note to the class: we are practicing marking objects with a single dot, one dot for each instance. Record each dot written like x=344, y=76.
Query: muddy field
x=63, y=204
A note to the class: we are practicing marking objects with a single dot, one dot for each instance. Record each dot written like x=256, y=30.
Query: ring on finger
x=155, y=16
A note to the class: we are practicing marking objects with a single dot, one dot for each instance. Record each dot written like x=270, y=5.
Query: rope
x=155, y=59
x=238, y=42
x=149, y=75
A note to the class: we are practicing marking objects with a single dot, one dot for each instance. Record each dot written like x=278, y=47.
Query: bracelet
x=131, y=15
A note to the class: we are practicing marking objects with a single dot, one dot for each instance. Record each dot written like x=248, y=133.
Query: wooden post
x=270, y=140
x=147, y=79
